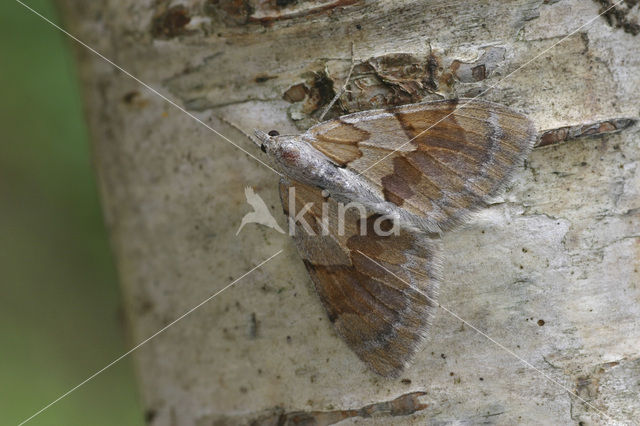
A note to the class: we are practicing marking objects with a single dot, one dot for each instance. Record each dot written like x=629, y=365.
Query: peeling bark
x=403, y=405
x=550, y=270
x=567, y=133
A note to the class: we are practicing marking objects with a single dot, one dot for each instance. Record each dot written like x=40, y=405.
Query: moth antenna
x=344, y=87
x=238, y=128
x=258, y=136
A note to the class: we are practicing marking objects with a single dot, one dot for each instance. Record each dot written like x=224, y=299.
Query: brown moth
x=426, y=166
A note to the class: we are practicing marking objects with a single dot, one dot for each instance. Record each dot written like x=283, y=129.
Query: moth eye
x=262, y=148
x=273, y=133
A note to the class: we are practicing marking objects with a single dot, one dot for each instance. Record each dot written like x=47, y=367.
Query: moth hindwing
x=379, y=290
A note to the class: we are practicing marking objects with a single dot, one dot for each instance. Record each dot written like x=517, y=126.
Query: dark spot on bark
x=253, y=326
x=358, y=26
x=135, y=99
x=433, y=65
x=285, y=3
x=145, y=306
x=129, y=97
x=405, y=381
x=451, y=374
x=443, y=356
x=540, y=322
x=171, y=23
x=263, y=77
x=150, y=415
x=322, y=90
x=288, y=339
x=316, y=93
x=296, y=93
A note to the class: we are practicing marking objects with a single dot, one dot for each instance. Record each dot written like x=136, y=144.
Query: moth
x=426, y=166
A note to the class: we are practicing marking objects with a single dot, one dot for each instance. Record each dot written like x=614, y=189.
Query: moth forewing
x=428, y=164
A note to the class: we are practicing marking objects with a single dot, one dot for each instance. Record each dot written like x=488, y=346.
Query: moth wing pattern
x=456, y=158
x=382, y=316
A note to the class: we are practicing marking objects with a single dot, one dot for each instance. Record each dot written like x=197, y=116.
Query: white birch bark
x=549, y=271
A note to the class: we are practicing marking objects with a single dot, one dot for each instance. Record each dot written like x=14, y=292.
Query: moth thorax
x=300, y=160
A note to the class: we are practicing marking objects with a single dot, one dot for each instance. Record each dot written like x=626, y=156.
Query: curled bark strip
x=404, y=405
x=563, y=134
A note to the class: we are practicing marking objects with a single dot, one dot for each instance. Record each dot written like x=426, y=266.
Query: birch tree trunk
x=549, y=272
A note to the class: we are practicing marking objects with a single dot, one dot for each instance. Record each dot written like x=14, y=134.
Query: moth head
x=284, y=149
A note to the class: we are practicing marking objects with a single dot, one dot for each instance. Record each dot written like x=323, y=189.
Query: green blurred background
x=60, y=305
